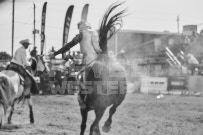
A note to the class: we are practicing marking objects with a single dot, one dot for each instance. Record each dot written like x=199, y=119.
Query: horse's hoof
x=106, y=128
x=96, y=133
x=31, y=121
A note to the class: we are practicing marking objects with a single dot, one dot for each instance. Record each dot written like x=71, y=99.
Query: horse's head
x=39, y=64
x=42, y=65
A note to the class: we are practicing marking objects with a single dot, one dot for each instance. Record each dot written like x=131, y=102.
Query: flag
x=67, y=26
x=43, y=26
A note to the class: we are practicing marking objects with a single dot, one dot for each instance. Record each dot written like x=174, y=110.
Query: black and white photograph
x=101, y=67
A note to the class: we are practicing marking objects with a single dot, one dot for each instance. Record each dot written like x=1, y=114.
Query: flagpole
x=12, y=28
x=34, y=25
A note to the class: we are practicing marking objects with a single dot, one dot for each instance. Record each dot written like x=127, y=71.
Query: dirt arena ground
x=140, y=114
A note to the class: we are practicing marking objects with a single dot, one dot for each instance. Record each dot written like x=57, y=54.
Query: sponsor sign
x=177, y=83
x=154, y=84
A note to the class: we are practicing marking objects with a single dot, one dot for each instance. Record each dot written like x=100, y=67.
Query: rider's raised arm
x=69, y=45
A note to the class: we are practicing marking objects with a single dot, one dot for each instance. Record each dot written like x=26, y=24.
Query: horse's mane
x=110, y=25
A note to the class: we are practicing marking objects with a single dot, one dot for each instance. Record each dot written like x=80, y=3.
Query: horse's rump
x=14, y=88
x=28, y=79
x=108, y=82
x=10, y=91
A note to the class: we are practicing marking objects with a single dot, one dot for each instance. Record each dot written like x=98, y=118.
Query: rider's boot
x=34, y=87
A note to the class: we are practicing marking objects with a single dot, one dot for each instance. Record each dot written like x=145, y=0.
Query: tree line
x=5, y=56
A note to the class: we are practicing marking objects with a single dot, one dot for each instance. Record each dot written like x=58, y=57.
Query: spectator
x=193, y=62
x=52, y=51
x=74, y=55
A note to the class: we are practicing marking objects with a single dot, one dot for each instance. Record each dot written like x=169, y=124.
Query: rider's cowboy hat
x=82, y=25
x=25, y=41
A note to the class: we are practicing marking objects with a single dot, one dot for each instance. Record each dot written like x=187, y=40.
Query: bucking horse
x=105, y=80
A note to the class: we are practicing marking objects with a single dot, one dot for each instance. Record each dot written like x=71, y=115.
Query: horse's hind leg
x=94, y=129
x=31, y=111
x=107, y=125
x=11, y=112
x=84, y=113
x=2, y=114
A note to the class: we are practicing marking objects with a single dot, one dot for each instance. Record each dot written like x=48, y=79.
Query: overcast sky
x=146, y=15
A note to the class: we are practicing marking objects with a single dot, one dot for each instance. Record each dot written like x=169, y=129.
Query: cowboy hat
x=83, y=25
x=25, y=41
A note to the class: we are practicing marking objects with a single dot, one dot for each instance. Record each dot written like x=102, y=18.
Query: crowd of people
x=189, y=54
x=73, y=60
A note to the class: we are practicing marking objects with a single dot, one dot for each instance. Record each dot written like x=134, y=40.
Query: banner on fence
x=154, y=84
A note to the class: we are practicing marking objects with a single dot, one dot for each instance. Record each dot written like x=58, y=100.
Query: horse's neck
x=39, y=64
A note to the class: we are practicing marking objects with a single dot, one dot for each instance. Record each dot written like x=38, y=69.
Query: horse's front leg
x=84, y=113
x=31, y=111
x=11, y=112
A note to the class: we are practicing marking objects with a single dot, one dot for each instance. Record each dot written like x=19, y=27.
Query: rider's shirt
x=89, y=45
x=21, y=57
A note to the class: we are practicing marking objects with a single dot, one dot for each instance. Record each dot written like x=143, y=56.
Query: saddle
x=22, y=80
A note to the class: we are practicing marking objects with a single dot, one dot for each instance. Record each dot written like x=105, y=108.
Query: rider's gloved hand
x=51, y=55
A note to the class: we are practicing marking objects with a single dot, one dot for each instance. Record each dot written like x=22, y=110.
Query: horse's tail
x=110, y=25
x=4, y=95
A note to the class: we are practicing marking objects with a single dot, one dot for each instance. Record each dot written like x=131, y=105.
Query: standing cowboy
x=89, y=46
x=19, y=63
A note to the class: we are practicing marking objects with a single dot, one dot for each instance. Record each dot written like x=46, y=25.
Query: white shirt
x=90, y=45
x=21, y=57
